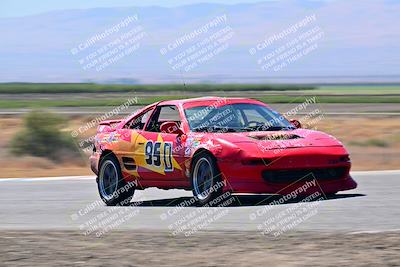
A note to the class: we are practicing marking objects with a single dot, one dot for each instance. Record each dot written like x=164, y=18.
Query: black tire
x=113, y=189
x=214, y=185
x=331, y=195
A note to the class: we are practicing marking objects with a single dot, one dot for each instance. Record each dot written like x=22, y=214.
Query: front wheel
x=113, y=189
x=206, y=179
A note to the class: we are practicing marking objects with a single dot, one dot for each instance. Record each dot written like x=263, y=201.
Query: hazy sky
x=359, y=38
x=16, y=8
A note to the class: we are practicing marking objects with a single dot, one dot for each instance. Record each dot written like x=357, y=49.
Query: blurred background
x=65, y=65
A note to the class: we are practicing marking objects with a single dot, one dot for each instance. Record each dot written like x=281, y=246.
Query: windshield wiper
x=270, y=128
x=214, y=128
x=226, y=129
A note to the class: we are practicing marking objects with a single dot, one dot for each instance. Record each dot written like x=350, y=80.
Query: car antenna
x=183, y=80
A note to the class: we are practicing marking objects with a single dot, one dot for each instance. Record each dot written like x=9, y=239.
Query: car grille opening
x=288, y=176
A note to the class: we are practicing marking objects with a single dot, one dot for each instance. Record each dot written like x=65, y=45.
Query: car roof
x=208, y=100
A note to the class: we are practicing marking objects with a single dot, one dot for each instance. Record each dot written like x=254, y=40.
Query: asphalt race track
x=65, y=203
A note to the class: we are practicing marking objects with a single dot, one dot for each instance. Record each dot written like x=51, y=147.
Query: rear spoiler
x=109, y=122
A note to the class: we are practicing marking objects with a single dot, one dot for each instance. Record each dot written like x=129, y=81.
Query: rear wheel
x=206, y=179
x=113, y=189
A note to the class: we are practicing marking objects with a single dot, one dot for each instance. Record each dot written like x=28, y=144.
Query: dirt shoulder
x=125, y=248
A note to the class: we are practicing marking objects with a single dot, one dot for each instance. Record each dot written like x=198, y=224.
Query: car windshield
x=235, y=118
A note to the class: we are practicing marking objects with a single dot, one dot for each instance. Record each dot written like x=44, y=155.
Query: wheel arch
x=107, y=153
x=201, y=151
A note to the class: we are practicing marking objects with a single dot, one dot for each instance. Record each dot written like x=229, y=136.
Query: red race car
x=212, y=145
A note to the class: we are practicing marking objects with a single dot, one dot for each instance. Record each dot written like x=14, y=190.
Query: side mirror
x=295, y=123
x=170, y=127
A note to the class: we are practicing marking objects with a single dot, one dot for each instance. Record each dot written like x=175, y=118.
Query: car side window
x=139, y=122
x=163, y=114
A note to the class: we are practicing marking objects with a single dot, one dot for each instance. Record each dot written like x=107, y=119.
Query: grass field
x=28, y=88
x=357, y=89
x=43, y=103
x=84, y=95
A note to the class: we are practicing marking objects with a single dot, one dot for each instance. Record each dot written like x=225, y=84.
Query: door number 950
x=156, y=152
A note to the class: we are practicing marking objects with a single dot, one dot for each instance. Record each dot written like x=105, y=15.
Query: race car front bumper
x=326, y=170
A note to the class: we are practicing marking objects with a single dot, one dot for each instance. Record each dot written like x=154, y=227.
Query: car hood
x=280, y=139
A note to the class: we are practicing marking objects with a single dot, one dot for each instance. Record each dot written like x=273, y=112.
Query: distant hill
x=361, y=38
